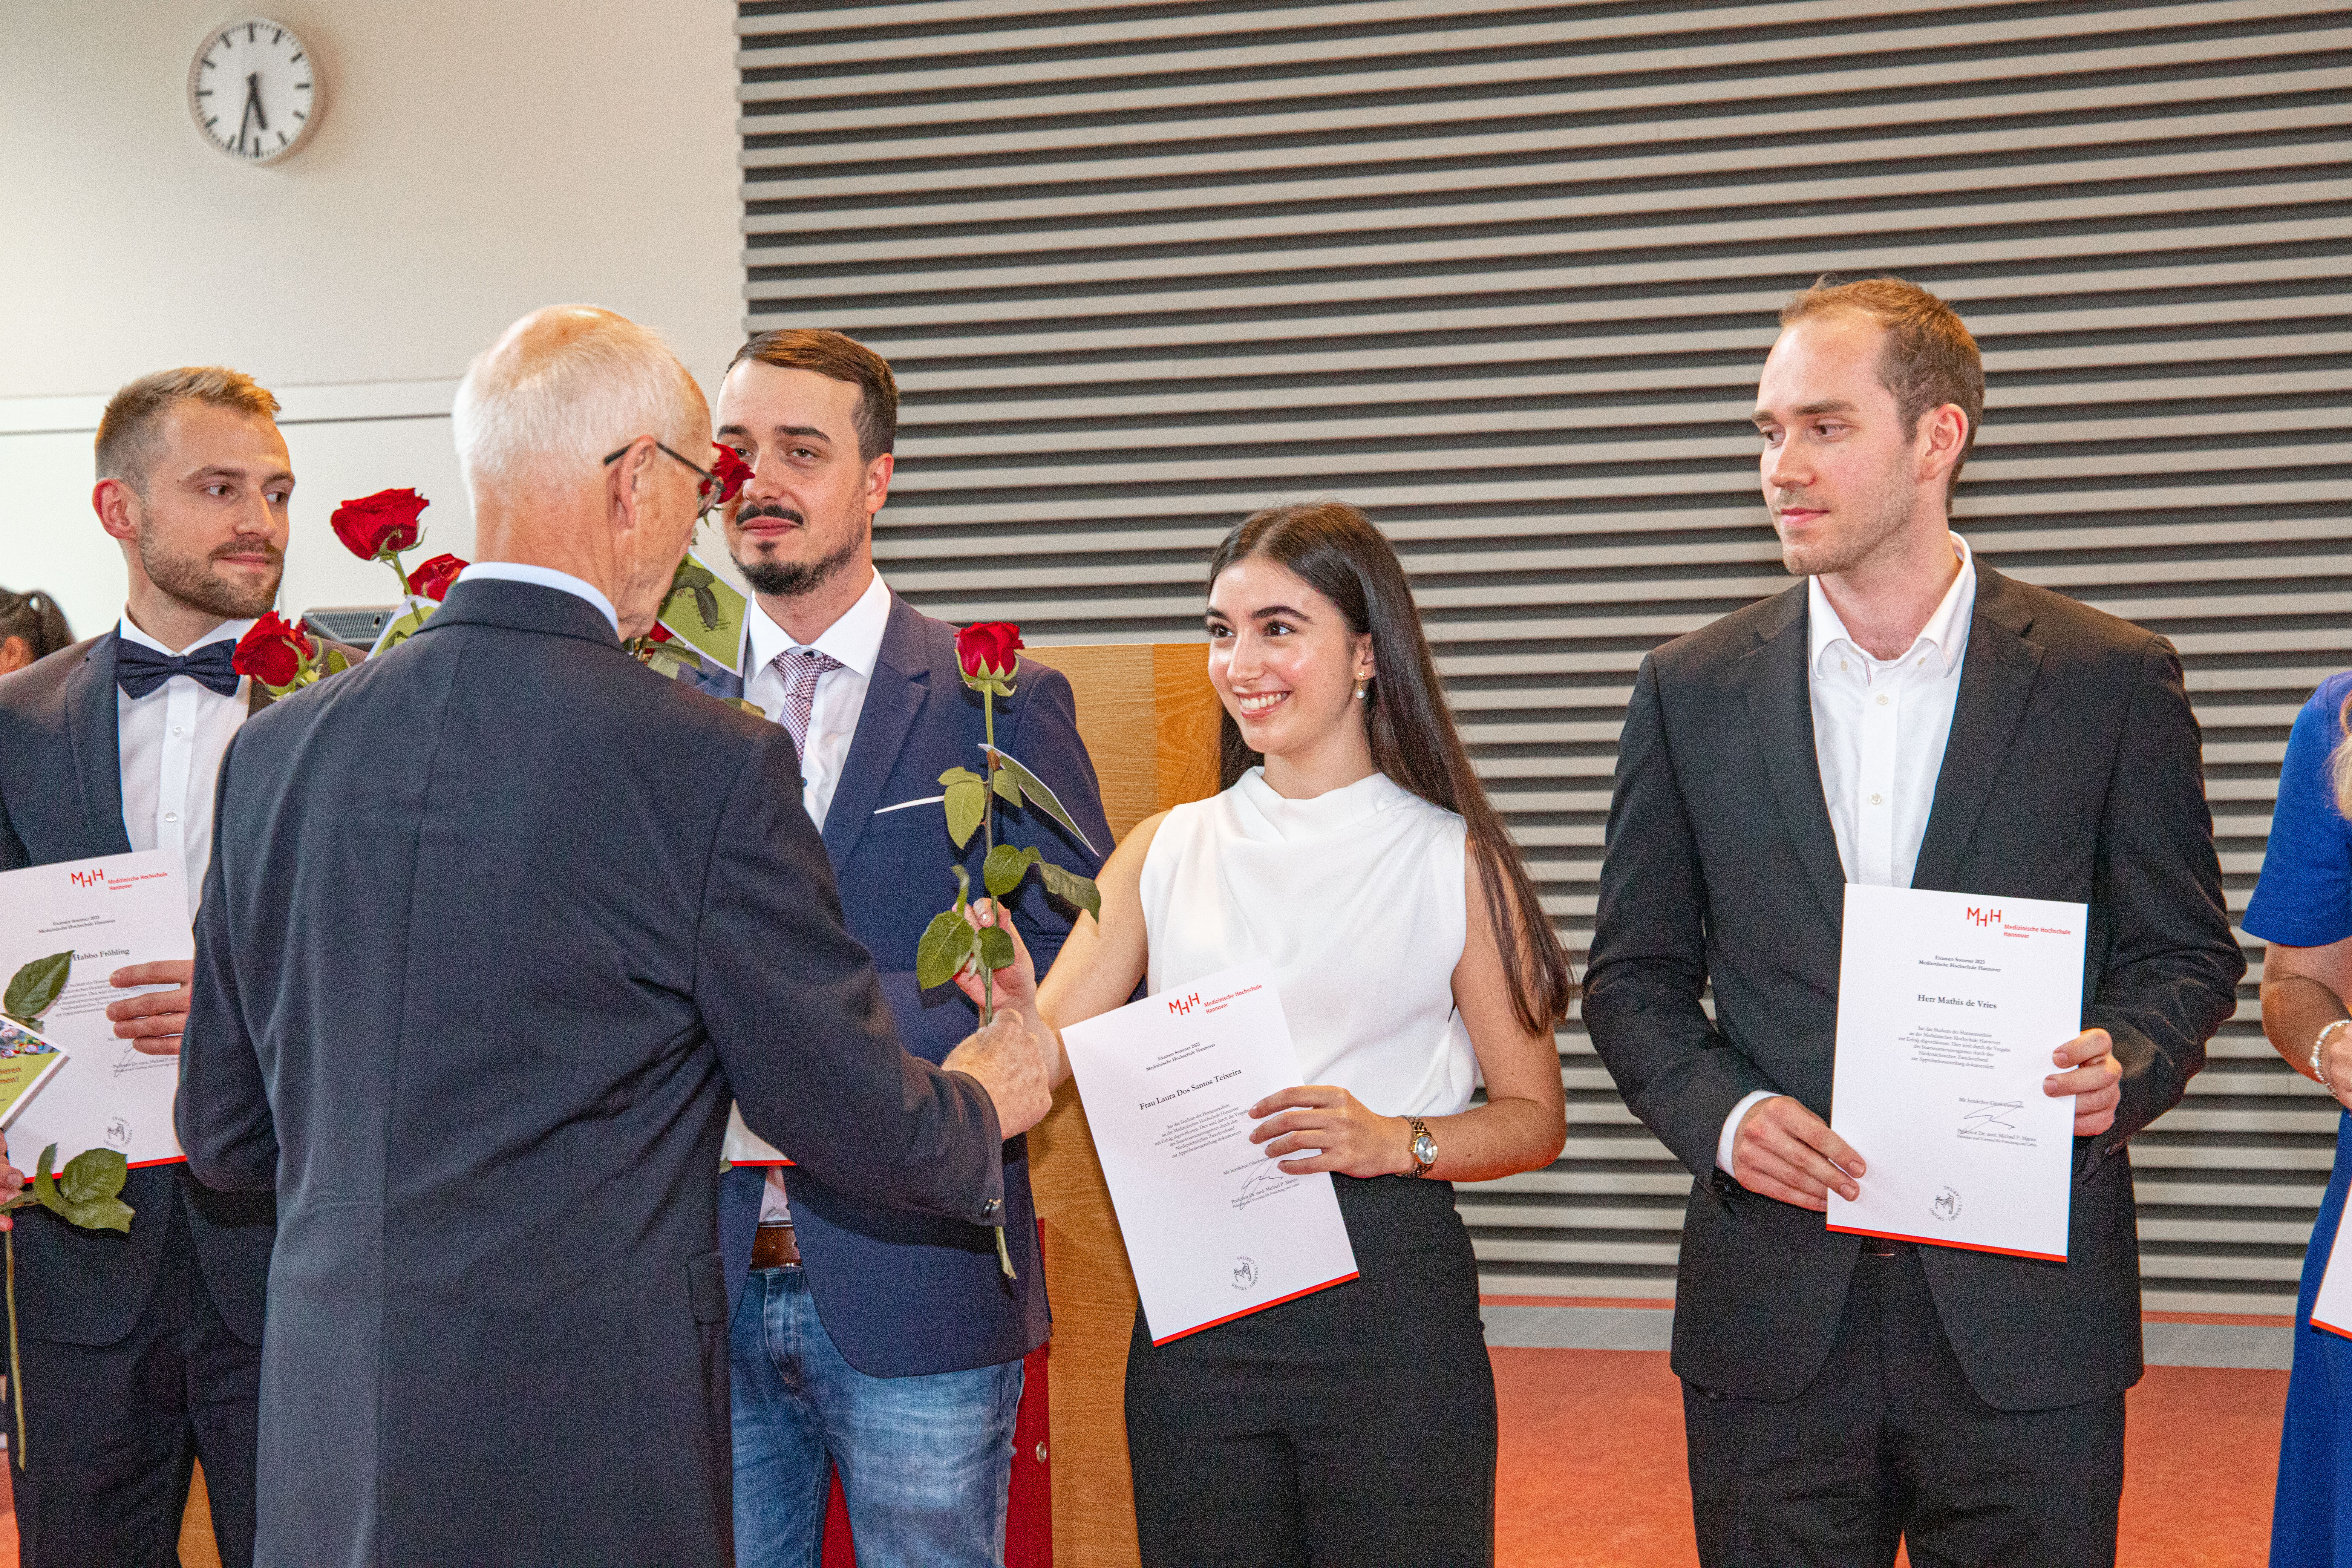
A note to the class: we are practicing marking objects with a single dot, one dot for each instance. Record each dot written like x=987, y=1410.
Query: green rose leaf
x=995, y=947
x=336, y=661
x=1039, y=795
x=1003, y=871
x=1008, y=786
x=87, y=1195
x=946, y=943
x=967, y=802
x=35, y=988
x=1077, y=891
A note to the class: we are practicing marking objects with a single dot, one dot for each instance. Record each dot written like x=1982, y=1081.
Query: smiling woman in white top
x=1354, y=850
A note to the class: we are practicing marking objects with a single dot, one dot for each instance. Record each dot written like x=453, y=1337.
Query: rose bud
x=376, y=525
x=431, y=580
x=731, y=472
x=986, y=647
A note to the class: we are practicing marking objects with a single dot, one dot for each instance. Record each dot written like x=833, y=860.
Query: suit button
x=992, y=1205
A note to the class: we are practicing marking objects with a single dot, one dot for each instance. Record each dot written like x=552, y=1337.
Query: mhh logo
x=91, y=878
x=1184, y=1005
x=1982, y=917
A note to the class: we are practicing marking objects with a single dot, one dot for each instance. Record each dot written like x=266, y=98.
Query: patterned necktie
x=802, y=669
x=140, y=669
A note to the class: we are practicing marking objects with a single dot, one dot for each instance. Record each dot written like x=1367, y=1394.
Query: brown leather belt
x=775, y=1247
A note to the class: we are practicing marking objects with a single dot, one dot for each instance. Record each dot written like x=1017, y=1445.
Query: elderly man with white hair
x=496, y=927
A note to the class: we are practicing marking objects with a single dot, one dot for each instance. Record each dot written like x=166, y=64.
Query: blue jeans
x=926, y=1462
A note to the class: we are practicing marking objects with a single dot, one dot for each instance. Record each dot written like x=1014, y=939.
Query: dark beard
x=777, y=581
x=190, y=581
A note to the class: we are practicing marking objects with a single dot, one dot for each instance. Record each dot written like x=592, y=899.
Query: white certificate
x=2332, y=1307
x=1213, y=1229
x=1949, y=1005
x=108, y=911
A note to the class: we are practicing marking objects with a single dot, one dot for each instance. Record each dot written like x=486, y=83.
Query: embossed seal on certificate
x=1245, y=1274
x=1945, y=1205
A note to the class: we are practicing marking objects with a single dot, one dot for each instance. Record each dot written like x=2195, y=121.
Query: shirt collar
x=545, y=577
x=1945, y=631
x=855, y=638
x=227, y=631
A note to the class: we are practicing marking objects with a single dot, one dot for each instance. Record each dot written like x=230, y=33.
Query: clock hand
x=252, y=109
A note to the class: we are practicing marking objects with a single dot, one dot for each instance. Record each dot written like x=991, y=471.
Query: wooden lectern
x=1149, y=718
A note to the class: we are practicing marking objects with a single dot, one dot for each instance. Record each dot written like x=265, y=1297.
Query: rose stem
x=988, y=826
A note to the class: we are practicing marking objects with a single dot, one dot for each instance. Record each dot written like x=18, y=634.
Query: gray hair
x=563, y=386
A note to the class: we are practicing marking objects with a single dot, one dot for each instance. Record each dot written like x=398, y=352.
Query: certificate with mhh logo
x=64, y=928
x=1950, y=1009
x=1214, y=1230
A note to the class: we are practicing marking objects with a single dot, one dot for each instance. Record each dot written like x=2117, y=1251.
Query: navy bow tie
x=140, y=669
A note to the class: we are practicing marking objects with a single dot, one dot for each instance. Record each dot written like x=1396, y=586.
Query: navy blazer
x=61, y=799
x=900, y=1293
x=496, y=926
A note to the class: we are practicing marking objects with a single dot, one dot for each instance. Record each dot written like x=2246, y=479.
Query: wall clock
x=253, y=90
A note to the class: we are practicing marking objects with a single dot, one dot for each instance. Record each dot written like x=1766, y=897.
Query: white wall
x=472, y=162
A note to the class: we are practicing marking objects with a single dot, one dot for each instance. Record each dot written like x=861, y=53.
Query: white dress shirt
x=1879, y=730
x=855, y=640
x=169, y=744
x=546, y=577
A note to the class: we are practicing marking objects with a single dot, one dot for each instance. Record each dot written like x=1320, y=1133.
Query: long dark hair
x=1334, y=549
x=34, y=616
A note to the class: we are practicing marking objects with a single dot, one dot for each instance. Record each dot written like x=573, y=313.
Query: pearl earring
x=1359, y=692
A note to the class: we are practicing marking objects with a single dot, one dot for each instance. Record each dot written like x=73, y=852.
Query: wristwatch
x=1424, y=1147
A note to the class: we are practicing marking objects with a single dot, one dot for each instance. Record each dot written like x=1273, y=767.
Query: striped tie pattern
x=802, y=669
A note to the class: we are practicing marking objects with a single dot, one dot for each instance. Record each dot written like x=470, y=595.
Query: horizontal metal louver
x=1504, y=275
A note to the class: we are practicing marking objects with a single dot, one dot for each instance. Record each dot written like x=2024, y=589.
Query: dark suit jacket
x=2072, y=772
x=496, y=926
x=904, y=1293
x=61, y=799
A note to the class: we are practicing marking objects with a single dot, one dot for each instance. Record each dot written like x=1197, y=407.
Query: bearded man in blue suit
x=887, y=1342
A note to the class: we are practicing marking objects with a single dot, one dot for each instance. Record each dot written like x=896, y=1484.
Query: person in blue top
x=2301, y=909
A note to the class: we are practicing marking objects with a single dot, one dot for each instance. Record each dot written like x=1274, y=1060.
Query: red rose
x=731, y=472
x=272, y=652
x=383, y=522
x=431, y=580
x=661, y=632
x=986, y=647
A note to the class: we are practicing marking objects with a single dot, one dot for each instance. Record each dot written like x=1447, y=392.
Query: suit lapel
x=1997, y=675
x=93, y=735
x=1780, y=704
x=894, y=696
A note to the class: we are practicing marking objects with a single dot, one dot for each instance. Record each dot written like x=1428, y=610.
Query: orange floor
x=1592, y=1464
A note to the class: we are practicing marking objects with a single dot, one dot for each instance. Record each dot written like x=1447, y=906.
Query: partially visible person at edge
x=1904, y=716
x=879, y=1345
x=142, y=1354
x=494, y=927
x=32, y=627
x=2302, y=912
x=1354, y=851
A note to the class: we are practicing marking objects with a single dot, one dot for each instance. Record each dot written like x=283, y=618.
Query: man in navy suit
x=141, y=1352
x=889, y=1340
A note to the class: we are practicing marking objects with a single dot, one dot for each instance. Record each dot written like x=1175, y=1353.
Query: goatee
x=782, y=580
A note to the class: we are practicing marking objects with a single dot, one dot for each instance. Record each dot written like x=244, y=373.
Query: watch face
x=1424, y=1149
x=253, y=90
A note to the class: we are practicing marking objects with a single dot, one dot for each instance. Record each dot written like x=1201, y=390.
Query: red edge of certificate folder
x=2318, y=1322
x=1955, y=1246
x=1261, y=1307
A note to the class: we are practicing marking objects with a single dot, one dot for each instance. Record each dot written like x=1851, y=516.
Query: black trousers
x=1890, y=1443
x=1349, y=1429
x=113, y=1432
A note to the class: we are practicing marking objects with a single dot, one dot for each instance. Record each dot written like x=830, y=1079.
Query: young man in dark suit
x=492, y=1092
x=1907, y=716
x=884, y=1344
x=141, y=1352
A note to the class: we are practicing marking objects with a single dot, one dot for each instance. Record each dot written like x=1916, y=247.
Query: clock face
x=253, y=90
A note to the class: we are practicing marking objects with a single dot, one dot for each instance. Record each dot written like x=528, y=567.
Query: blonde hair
x=130, y=431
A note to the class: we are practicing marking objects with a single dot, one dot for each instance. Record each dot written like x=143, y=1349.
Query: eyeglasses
x=706, y=487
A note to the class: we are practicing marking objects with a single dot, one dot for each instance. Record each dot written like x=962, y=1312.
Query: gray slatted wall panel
x=1504, y=275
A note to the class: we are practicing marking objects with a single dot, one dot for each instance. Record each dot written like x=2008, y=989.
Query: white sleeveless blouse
x=1356, y=899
